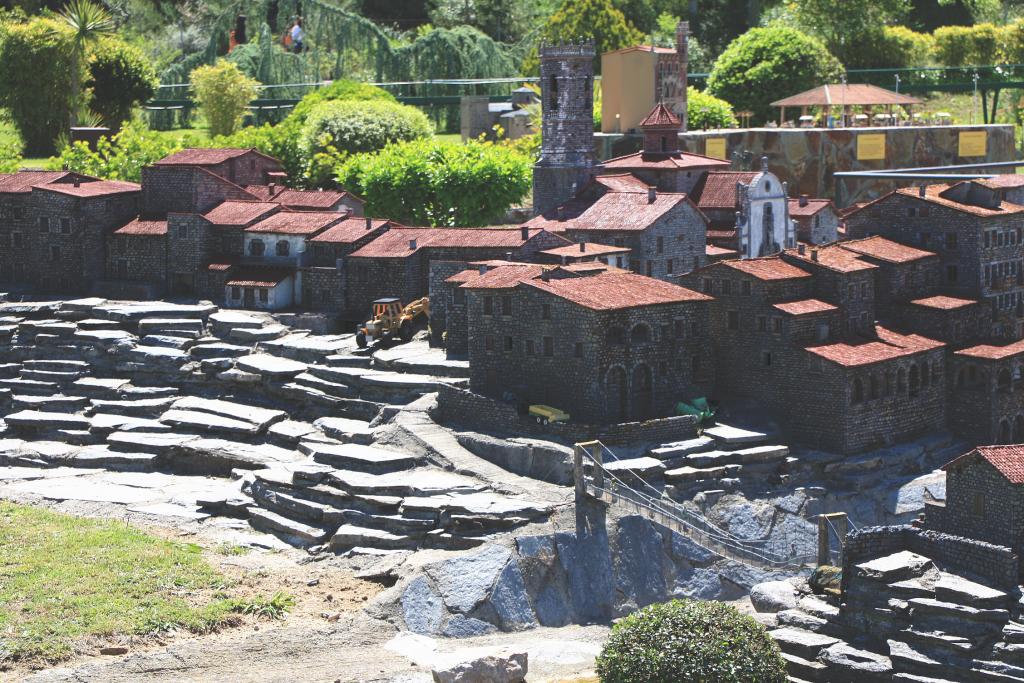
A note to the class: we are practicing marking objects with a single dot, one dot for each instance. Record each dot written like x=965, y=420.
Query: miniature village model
x=676, y=378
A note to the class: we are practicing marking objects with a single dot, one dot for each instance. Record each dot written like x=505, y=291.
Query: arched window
x=617, y=336
x=888, y=384
x=858, y=391
x=283, y=247
x=640, y=334
x=915, y=380
x=1003, y=380
x=873, y=387
x=901, y=381
x=257, y=248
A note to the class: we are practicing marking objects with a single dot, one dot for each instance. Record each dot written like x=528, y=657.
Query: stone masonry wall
x=981, y=504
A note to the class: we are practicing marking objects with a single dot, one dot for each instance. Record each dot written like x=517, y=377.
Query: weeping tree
x=88, y=21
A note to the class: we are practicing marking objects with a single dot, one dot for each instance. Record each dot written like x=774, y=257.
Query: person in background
x=298, y=35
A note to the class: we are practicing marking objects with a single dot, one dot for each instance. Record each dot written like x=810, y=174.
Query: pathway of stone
x=188, y=411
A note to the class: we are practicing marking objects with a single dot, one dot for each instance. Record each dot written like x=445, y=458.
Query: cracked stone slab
x=270, y=366
x=465, y=581
x=261, y=417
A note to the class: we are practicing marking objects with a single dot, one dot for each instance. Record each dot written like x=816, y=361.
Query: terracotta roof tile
x=622, y=211
x=933, y=196
x=1008, y=460
x=95, y=188
x=945, y=303
x=832, y=256
x=501, y=277
x=661, y=117
x=712, y=250
x=989, y=352
x=219, y=267
x=717, y=190
x=236, y=212
x=1002, y=181
x=395, y=243
x=621, y=182
x=23, y=181
x=143, y=227
x=300, y=199
x=350, y=230
x=590, y=249
x=767, y=268
x=616, y=290
x=805, y=307
x=885, y=250
x=297, y=222
x=888, y=346
x=812, y=207
x=855, y=94
x=721, y=234
x=258, y=277
x=674, y=160
x=201, y=157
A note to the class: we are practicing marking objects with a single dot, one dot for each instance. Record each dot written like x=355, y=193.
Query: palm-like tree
x=88, y=20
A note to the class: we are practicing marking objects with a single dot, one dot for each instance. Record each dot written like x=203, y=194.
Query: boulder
x=422, y=608
x=502, y=666
x=773, y=596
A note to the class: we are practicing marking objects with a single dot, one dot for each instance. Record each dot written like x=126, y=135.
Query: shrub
x=765, y=64
x=122, y=156
x=902, y=48
x=429, y=182
x=120, y=77
x=35, y=80
x=10, y=155
x=967, y=45
x=361, y=126
x=689, y=640
x=222, y=92
x=707, y=111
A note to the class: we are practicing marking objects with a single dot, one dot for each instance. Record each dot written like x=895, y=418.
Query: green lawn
x=63, y=578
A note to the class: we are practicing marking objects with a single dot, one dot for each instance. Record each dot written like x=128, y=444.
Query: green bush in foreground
x=707, y=111
x=690, y=640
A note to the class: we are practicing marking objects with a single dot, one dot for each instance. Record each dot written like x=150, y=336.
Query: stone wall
x=807, y=158
x=138, y=259
x=323, y=289
x=994, y=563
x=980, y=503
x=988, y=406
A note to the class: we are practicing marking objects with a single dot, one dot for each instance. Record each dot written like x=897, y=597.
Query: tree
x=120, y=77
x=664, y=35
x=430, y=182
x=35, y=80
x=849, y=28
x=690, y=640
x=504, y=20
x=644, y=13
x=765, y=64
x=706, y=111
x=595, y=20
x=222, y=92
x=88, y=21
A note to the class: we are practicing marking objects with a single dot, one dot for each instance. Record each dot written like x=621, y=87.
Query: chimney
x=583, y=246
x=652, y=194
x=412, y=244
x=508, y=255
x=545, y=275
x=801, y=248
x=78, y=181
x=803, y=200
x=525, y=233
x=482, y=268
x=764, y=164
x=921, y=190
x=369, y=223
x=272, y=187
x=814, y=255
x=560, y=214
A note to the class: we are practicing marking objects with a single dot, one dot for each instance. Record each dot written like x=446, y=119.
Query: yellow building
x=635, y=79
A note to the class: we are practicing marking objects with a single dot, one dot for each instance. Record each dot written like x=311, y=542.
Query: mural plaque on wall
x=972, y=143
x=871, y=147
x=715, y=147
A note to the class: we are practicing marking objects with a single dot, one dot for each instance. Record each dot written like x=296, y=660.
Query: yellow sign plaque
x=973, y=143
x=871, y=147
x=715, y=147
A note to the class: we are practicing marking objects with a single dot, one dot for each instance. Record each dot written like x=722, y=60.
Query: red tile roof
x=139, y=226
x=661, y=117
x=590, y=249
x=259, y=277
x=617, y=212
x=1003, y=181
x=238, y=212
x=297, y=222
x=674, y=160
x=500, y=277
x=1008, y=460
x=889, y=345
x=885, y=250
x=845, y=94
x=945, y=303
x=395, y=243
x=202, y=157
x=95, y=188
x=717, y=190
x=812, y=207
x=933, y=196
x=833, y=257
x=989, y=352
x=767, y=268
x=644, y=48
x=712, y=250
x=300, y=199
x=622, y=182
x=350, y=230
x=23, y=181
x=219, y=267
x=616, y=290
x=805, y=307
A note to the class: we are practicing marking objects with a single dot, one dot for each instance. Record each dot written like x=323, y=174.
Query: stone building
x=608, y=346
x=976, y=234
x=567, y=136
x=988, y=404
x=817, y=221
x=307, y=200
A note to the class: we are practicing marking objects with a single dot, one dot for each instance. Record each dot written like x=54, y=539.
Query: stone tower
x=567, y=146
x=672, y=75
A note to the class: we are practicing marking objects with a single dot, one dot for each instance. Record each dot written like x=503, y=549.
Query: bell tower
x=567, y=142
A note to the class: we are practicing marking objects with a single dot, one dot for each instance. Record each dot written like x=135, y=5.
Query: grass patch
x=231, y=549
x=63, y=578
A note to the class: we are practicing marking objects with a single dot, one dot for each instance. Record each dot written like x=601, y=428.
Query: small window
x=264, y=295
x=488, y=305
x=18, y=213
x=460, y=296
x=709, y=285
x=508, y=344
x=734, y=320
x=978, y=504
x=236, y=292
x=529, y=347
x=766, y=358
x=726, y=286
x=988, y=238
x=762, y=323
x=852, y=289
x=54, y=253
x=863, y=290
x=545, y=311
x=668, y=266
x=65, y=226
x=745, y=288
x=257, y=248
x=577, y=350
x=489, y=343
x=283, y=248
x=660, y=245
x=506, y=305
x=44, y=224
x=549, y=346
x=650, y=268
x=912, y=212
x=951, y=240
x=16, y=241
x=777, y=325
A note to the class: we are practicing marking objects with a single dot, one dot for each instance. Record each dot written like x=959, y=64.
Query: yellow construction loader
x=391, y=319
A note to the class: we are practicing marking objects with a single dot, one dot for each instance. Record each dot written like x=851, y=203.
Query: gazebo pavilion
x=846, y=96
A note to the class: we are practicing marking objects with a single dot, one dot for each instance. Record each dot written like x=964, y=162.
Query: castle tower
x=567, y=142
x=661, y=131
x=683, y=57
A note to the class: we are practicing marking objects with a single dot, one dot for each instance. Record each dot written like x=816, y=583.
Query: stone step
x=734, y=436
x=293, y=507
x=349, y=535
x=898, y=566
x=196, y=421
x=346, y=375
x=801, y=643
x=338, y=499
x=848, y=664
x=333, y=389
x=105, y=423
x=148, y=442
x=38, y=420
x=956, y=612
x=218, y=350
x=345, y=429
x=170, y=342
x=30, y=386
x=97, y=387
x=678, y=449
x=349, y=361
x=360, y=458
x=9, y=370
x=251, y=335
x=133, y=392
x=643, y=467
x=939, y=640
x=165, y=325
x=912, y=678
x=956, y=589
x=140, y=407
x=291, y=432
x=805, y=669
x=294, y=532
x=52, y=404
x=260, y=418
x=222, y=322
x=416, y=482
x=102, y=457
x=305, y=394
x=56, y=365
x=58, y=376
x=687, y=474
x=268, y=366
x=1013, y=632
